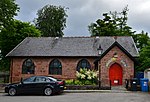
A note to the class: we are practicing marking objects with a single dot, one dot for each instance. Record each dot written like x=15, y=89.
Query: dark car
x=36, y=84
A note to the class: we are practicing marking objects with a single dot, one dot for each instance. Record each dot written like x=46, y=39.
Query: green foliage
x=84, y=77
x=79, y=82
x=73, y=82
x=144, y=59
x=4, y=64
x=141, y=40
x=69, y=82
x=12, y=36
x=8, y=10
x=51, y=20
x=113, y=24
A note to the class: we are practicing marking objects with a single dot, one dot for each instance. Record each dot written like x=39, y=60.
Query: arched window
x=28, y=67
x=83, y=64
x=55, y=67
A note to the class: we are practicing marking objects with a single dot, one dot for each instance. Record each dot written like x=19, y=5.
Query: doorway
x=115, y=74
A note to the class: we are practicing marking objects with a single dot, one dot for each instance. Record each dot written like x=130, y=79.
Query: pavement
x=1, y=90
x=113, y=90
x=96, y=91
x=80, y=97
x=89, y=91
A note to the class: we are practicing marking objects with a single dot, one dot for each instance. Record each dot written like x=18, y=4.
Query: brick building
x=62, y=57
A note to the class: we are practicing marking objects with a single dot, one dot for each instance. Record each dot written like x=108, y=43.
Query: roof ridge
x=81, y=37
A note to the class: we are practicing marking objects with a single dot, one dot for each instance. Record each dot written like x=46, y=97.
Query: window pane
x=28, y=67
x=29, y=80
x=55, y=67
x=83, y=64
x=40, y=79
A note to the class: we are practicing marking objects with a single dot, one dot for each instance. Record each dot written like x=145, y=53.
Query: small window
x=28, y=67
x=55, y=67
x=83, y=64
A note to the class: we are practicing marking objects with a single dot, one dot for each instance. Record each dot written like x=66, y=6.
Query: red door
x=115, y=74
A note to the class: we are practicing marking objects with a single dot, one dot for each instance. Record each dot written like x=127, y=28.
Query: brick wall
x=69, y=65
x=115, y=55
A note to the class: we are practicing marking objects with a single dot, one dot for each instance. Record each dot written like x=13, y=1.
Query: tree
x=113, y=24
x=51, y=20
x=103, y=27
x=141, y=40
x=144, y=58
x=12, y=36
x=8, y=9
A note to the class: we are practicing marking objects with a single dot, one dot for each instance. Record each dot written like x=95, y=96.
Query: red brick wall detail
x=42, y=67
x=122, y=59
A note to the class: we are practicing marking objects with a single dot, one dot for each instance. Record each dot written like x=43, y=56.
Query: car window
x=29, y=80
x=52, y=79
x=40, y=79
x=48, y=80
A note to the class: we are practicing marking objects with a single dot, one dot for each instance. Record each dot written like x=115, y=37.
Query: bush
x=84, y=77
x=69, y=82
x=87, y=76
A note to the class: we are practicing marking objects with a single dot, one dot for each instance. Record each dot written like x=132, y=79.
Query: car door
x=27, y=85
x=40, y=84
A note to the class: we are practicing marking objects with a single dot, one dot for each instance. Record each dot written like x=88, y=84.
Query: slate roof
x=70, y=46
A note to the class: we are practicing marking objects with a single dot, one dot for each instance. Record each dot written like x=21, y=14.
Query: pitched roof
x=70, y=46
x=121, y=48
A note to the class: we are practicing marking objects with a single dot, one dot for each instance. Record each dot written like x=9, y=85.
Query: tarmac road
x=80, y=97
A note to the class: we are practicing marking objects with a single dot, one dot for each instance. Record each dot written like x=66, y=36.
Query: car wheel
x=48, y=91
x=12, y=91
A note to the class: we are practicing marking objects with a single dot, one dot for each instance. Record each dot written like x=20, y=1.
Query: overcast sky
x=83, y=12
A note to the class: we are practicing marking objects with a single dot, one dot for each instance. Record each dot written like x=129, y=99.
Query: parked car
x=36, y=84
